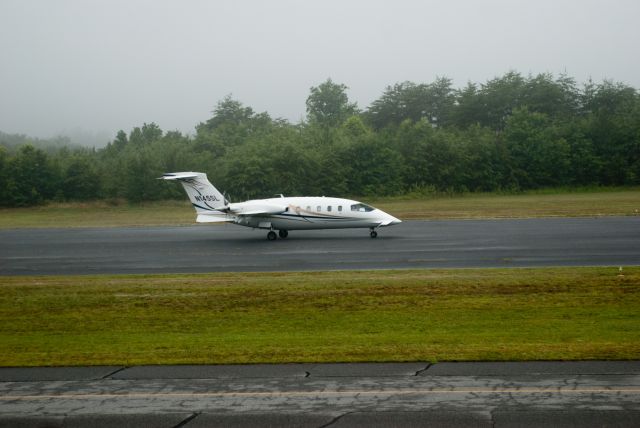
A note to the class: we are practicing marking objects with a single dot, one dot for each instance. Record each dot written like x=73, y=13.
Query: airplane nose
x=393, y=220
x=385, y=219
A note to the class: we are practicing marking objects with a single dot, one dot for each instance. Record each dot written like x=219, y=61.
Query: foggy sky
x=99, y=66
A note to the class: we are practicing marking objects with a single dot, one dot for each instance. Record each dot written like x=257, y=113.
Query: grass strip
x=408, y=315
x=588, y=203
x=552, y=203
x=99, y=214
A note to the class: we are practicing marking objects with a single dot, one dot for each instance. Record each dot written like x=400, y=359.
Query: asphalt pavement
x=612, y=241
x=531, y=394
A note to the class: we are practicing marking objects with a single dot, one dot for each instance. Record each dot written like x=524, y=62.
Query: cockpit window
x=361, y=208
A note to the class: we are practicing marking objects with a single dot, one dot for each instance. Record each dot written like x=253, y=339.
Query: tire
x=374, y=234
x=271, y=236
x=283, y=233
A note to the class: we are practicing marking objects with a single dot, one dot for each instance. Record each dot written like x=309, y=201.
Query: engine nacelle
x=256, y=208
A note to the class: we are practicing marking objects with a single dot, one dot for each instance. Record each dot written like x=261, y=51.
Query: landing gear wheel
x=374, y=234
x=271, y=236
x=283, y=233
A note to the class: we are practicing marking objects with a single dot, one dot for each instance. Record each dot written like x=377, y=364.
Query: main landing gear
x=373, y=233
x=271, y=236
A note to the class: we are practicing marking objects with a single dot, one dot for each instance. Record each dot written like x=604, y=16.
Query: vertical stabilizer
x=205, y=198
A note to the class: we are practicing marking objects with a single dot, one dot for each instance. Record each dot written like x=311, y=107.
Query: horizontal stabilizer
x=179, y=175
x=208, y=218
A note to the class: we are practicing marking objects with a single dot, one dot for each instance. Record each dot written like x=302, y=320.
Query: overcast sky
x=100, y=66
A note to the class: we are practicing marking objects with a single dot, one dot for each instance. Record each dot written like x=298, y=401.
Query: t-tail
x=209, y=203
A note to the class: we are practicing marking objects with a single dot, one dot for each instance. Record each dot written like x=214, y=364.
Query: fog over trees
x=511, y=133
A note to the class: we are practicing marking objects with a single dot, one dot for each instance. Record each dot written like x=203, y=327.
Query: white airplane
x=280, y=214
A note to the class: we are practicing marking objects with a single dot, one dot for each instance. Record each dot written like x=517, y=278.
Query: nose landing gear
x=373, y=233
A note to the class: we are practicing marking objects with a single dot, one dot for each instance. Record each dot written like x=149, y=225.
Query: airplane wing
x=258, y=212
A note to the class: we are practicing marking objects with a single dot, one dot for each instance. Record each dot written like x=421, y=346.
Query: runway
x=412, y=244
x=584, y=394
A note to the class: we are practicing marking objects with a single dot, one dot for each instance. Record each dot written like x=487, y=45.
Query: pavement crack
x=114, y=372
x=419, y=372
x=334, y=420
x=187, y=420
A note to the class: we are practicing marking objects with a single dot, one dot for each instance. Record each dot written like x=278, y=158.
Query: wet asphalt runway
x=412, y=244
x=534, y=394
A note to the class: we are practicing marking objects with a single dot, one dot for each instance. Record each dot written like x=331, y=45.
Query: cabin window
x=361, y=208
x=319, y=208
x=339, y=208
x=329, y=208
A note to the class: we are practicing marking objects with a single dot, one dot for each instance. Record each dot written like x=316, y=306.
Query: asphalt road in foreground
x=412, y=244
x=531, y=394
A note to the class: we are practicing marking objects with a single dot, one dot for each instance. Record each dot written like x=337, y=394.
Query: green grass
x=412, y=315
x=99, y=214
x=554, y=202
x=547, y=203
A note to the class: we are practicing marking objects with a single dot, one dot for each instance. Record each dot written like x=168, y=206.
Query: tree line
x=510, y=133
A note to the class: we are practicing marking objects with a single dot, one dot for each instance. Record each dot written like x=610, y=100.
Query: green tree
x=375, y=167
x=614, y=129
x=557, y=98
x=147, y=134
x=328, y=105
x=409, y=101
x=484, y=161
x=81, y=180
x=500, y=96
x=585, y=167
x=141, y=169
x=470, y=109
x=539, y=157
x=121, y=140
x=232, y=125
x=440, y=101
x=355, y=128
x=229, y=112
x=398, y=103
x=5, y=198
x=151, y=132
x=432, y=157
x=32, y=177
x=275, y=163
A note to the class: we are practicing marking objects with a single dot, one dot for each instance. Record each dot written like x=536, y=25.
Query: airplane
x=280, y=214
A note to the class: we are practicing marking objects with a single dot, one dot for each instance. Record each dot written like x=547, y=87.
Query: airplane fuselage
x=304, y=213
